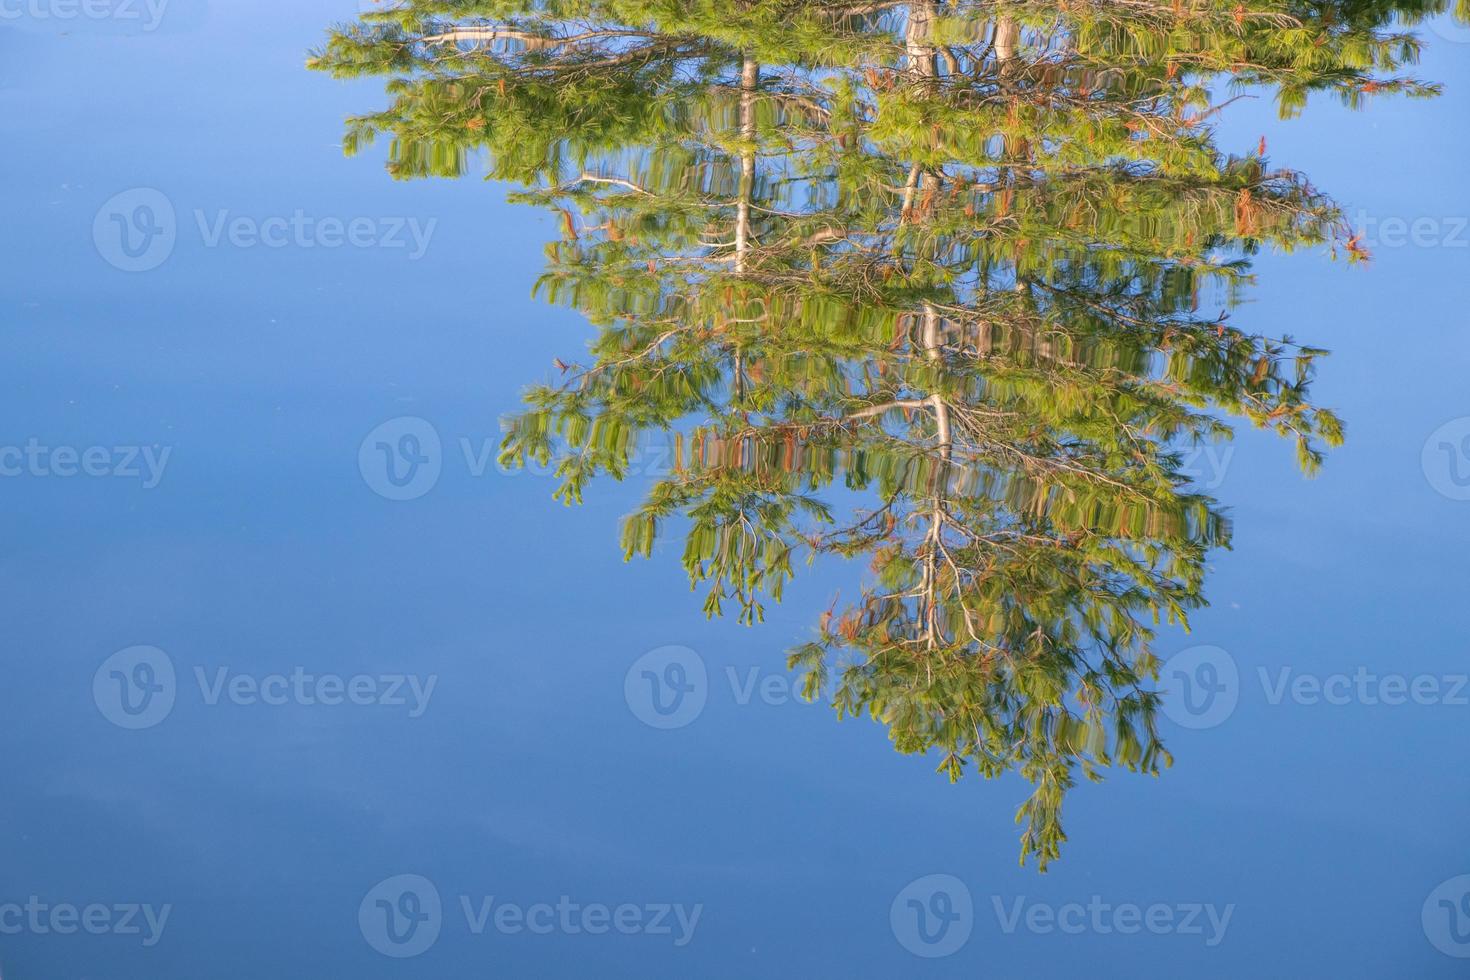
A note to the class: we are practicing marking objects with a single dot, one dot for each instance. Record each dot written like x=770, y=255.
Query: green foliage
x=951, y=259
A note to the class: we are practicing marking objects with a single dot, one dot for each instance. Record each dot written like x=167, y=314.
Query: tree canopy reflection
x=971, y=264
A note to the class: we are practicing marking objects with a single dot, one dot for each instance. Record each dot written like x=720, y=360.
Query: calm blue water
x=225, y=396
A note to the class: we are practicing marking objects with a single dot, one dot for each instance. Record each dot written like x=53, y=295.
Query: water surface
x=494, y=734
